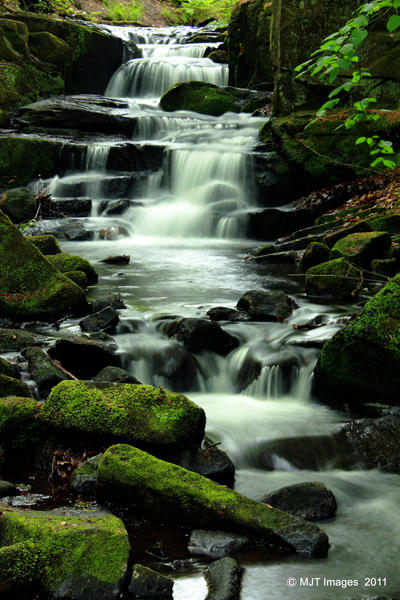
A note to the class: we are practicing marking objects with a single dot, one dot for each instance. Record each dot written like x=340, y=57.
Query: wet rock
x=67, y=230
x=71, y=207
x=99, y=549
x=26, y=500
x=311, y=500
x=21, y=568
x=376, y=442
x=169, y=492
x=361, y=248
x=43, y=370
x=70, y=262
x=9, y=386
x=146, y=583
x=83, y=357
x=140, y=414
x=386, y=266
x=272, y=223
x=200, y=334
x=208, y=461
x=279, y=258
x=219, y=56
x=18, y=424
x=112, y=233
x=222, y=313
x=114, y=207
x=315, y=254
x=14, y=340
x=217, y=544
x=259, y=356
x=261, y=305
x=9, y=369
x=7, y=489
x=115, y=375
x=104, y=320
x=113, y=300
x=120, y=259
x=197, y=96
x=335, y=279
x=47, y=244
x=18, y=204
x=223, y=579
x=78, y=277
x=84, y=478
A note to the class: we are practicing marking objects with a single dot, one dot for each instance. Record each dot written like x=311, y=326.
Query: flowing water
x=185, y=233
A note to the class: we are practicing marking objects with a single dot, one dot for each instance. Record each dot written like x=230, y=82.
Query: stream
x=184, y=231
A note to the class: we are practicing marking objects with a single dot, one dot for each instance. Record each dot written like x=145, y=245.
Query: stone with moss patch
x=18, y=424
x=361, y=363
x=21, y=566
x=14, y=340
x=332, y=237
x=390, y=221
x=18, y=204
x=385, y=266
x=140, y=414
x=8, y=369
x=361, y=248
x=47, y=244
x=31, y=288
x=200, y=97
x=168, y=491
x=49, y=48
x=9, y=386
x=315, y=254
x=84, y=553
x=78, y=277
x=42, y=153
x=337, y=279
x=70, y=262
x=146, y=583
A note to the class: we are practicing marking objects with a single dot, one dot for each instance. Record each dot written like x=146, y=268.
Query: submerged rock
x=168, y=491
x=200, y=334
x=84, y=478
x=311, y=500
x=140, y=414
x=217, y=544
x=223, y=579
x=146, y=583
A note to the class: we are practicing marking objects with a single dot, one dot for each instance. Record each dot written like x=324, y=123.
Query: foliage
x=120, y=11
x=194, y=12
x=337, y=56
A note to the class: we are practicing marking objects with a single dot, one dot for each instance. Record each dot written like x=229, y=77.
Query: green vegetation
x=120, y=11
x=361, y=248
x=9, y=386
x=20, y=565
x=333, y=279
x=194, y=12
x=47, y=244
x=200, y=97
x=70, y=262
x=18, y=424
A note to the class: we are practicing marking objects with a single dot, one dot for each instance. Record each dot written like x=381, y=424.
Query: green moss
x=76, y=551
x=362, y=361
x=359, y=227
x=200, y=97
x=333, y=279
x=18, y=424
x=315, y=253
x=78, y=277
x=390, y=221
x=14, y=165
x=31, y=288
x=20, y=565
x=136, y=413
x=9, y=386
x=361, y=248
x=7, y=368
x=47, y=244
x=14, y=340
x=166, y=489
x=18, y=204
x=69, y=262
x=50, y=48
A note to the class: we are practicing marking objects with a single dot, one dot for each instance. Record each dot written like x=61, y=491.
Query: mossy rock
x=334, y=279
x=10, y=386
x=389, y=221
x=18, y=423
x=315, y=254
x=332, y=237
x=14, y=340
x=386, y=266
x=146, y=583
x=168, y=491
x=361, y=363
x=32, y=288
x=200, y=97
x=70, y=262
x=84, y=554
x=43, y=370
x=140, y=414
x=78, y=277
x=8, y=369
x=361, y=248
x=14, y=150
x=21, y=566
x=49, y=48
x=18, y=204
x=47, y=244
x=14, y=38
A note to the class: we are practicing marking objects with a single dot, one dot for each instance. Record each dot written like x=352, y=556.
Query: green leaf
x=393, y=23
x=358, y=36
x=361, y=140
x=390, y=164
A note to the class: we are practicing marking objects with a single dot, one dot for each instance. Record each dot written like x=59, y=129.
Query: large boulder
x=139, y=414
x=337, y=279
x=18, y=424
x=250, y=61
x=84, y=554
x=43, y=370
x=168, y=491
x=311, y=500
x=361, y=363
x=19, y=204
x=43, y=155
x=31, y=288
x=21, y=567
x=261, y=305
x=200, y=334
x=362, y=248
x=205, y=98
x=84, y=357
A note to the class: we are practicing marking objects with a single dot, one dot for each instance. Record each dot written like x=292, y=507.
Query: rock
x=8, y=369
x=14, y=340
x=337, y=279
x=115, y=375
x=279, y=258
x=21, y=567
x=311, y=500
x=18, y=424
x=13, y=40
x=9, y=386
x=18, y=204
x=121, y=259
x=70, y=262
x=146, y=583
x=250, y=61
x=334, y=236
x=200, y=334
x=47, y=244
x=259, y=356
x=70, y=230
x=388, y=221
x=223, y=579
x=208, y=461
x=71, y=207
x=219, y=56
x=386, y=266
x=222, y=313
x=78, y=277
x=84, y=554
x=217, y=544
x=7, y=489
x=116, y=206
x=43, y=370
x=114, y=300
x=168, y=491
x=104, y=320
x=13, y=152
x=140, y=414
x=205, y=98
x=315, y=254
x=261, y=305
x=271, y=223
x=361, y=248
x=50, y=48
x=361, y=363
x=84, y=478
x=83, y=357
x=375, y=443
x=31, y=288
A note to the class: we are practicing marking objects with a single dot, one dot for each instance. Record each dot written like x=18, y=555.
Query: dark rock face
x=115, y=375
x=200, y=334
x=71, y=230
x=311, y=501
x=104, y=320
x=261, y=305
x=14, y=340
x=84, y=358
x=208, y=461
x=223, y=579
x=43, y=370
x=18, y=204
x=217, y=544
x=71, y=207
x=146, y=583
x=84, y=478
x=7, y=489
x=272, y=223
x=222, y=313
